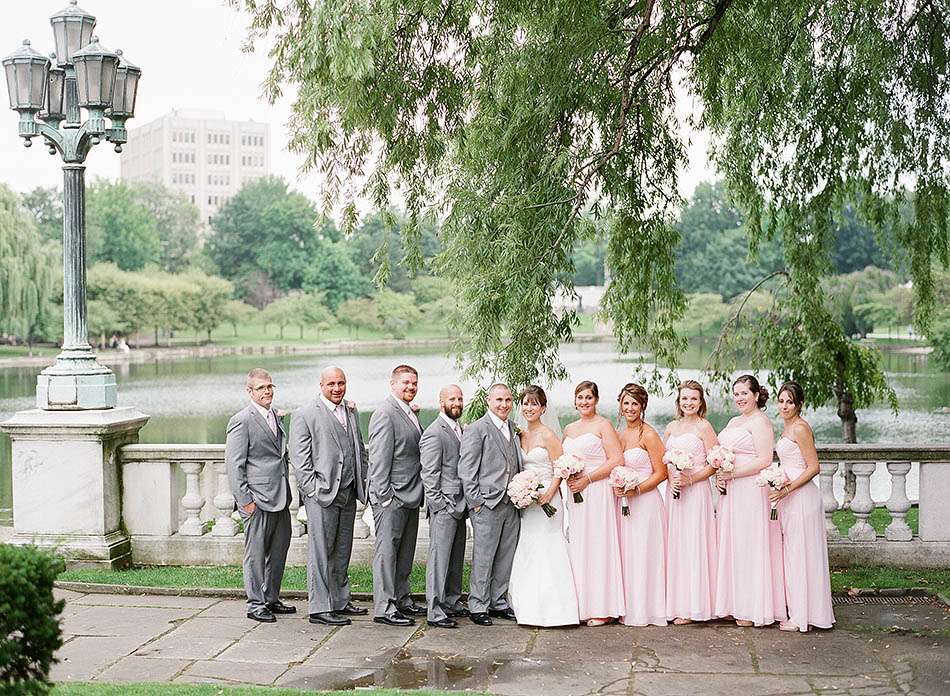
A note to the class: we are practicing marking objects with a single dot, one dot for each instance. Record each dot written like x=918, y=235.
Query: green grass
x=879, y=519
x=81, y=689
x=881, y=577
x=23, y=351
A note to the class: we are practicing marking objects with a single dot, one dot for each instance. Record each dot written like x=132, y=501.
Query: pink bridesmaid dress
x=691, y=542
x=749, y=576
x=593, y=543
x=643, y=549
x=805, y=549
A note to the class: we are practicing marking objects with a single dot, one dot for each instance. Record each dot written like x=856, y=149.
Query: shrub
x=29, y=618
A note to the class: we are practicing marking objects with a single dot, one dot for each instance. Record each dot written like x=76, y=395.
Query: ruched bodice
x=791, y=458
x=692, y=443
x=588, y=448
x=538, y=460
x=740, y=440
x=638, y=459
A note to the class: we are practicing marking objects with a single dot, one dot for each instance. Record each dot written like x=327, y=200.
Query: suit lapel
x=330, y=420
x=405, y=416
x=499, y=438
x=448, y=435
x=262, y=424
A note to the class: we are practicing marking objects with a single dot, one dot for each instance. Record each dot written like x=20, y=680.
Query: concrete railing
x=177, y=506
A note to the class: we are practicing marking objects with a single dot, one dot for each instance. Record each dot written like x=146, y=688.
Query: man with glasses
x=256, y=459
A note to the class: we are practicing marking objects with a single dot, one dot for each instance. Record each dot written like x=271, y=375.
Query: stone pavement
x=897, y=646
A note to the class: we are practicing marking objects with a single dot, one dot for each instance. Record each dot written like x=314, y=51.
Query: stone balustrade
x=177, y=507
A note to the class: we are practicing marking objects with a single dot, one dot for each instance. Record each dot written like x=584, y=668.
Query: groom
x=489, y=456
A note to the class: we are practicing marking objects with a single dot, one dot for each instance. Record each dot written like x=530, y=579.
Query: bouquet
x=680, y=460
x=566, y=466
x=526, y=488
x=775, y=478
x=722, y=458
x=626, y=479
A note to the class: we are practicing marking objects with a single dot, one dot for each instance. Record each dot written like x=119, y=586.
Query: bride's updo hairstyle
x=587, y=385
x=536, y=394
x=794, y=390
x=755, y=388
x=637, y=393
x=695, y=386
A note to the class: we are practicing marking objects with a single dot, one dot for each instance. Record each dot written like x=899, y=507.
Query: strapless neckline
x=539, y=447
x=568, y=437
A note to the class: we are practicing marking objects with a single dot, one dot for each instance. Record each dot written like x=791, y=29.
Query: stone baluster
x=862, y=504
x=192, y=500
x=898, y=504
x=826, y=481
x=360, y=528
x=302, y=516
x=223, y=503
x=296, y=526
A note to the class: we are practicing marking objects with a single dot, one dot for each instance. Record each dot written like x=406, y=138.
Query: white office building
x=200, y=153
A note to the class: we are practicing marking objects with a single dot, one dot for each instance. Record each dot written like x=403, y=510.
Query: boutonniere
x=518, y=430
x=413, y=408
x=350, y=405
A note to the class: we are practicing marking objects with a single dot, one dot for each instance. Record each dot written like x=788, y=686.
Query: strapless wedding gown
x=541, y=591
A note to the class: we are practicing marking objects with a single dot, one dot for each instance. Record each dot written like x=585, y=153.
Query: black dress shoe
x=457, y=613
x=352, y=610
x=279, y=607
x=394, y=620
x=444, y=623
x=507, y=614
x=329, y=618
x=413, y=609
x=480, y=618
x=262, y=614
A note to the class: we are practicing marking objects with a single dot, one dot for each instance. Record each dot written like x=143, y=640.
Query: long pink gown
x=749, y=577
x=593, y=541
x=805, y=549
x=643, y=549
x=691, y=541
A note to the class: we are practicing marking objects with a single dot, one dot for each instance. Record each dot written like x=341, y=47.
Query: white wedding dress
x=541, y=591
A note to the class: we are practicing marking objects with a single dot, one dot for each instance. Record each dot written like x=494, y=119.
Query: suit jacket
x=439, y=455
x=394, y=466
x=256, y=461
x=487, y=462
x=316, y=452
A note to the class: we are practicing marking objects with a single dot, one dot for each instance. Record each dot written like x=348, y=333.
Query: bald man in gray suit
x=329, y=458
x=255, y=456
x=395, y=492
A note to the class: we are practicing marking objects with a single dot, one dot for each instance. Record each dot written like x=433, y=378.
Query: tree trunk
x=849, y=427
x=301, y=332
x=281, y=332
x=234, y=326
x=156, y=335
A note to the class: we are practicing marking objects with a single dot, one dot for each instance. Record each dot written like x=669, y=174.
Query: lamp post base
x=75, y=382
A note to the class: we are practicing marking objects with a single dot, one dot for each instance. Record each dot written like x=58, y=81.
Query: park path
x=892, y=646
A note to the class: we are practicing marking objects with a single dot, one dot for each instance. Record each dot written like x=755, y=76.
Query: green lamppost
x=50, y=96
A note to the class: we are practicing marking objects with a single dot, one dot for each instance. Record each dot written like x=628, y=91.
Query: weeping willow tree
x=526, y=124
x=27, y=271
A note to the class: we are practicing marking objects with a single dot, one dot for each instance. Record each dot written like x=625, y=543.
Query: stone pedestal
x=66, y=482
x=934, y=520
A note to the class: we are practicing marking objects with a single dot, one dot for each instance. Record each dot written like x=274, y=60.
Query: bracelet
x=589, y=479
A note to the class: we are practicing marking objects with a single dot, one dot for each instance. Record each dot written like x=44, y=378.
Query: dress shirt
x=502, y=425
x=454, y=424
x=336, y=410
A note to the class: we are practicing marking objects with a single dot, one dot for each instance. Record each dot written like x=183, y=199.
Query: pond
x=191, y=400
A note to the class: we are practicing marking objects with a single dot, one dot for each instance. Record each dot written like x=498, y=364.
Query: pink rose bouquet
x=680, y=460
x=721, y=458
x=566, y=466
x=775, y=478
x=526, y=488
x=626, y=479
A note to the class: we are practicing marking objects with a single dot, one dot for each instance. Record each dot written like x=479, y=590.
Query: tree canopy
x=521, y=123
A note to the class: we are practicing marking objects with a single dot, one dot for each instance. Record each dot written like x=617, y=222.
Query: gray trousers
x=444, y=566
x=396, y=530
x=329, y=545
x=494, y=538
x=266, y=541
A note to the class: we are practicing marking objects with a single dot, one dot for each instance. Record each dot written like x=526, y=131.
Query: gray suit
x=330, y=464
x=445, y=503
x=395, y=492
x=486, y=464
x=256, y=461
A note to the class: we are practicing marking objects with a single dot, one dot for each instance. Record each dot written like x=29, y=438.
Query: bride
x=541, y=590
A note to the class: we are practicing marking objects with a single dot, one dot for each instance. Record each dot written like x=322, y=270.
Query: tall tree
x=177, y=221
x=46, y=204
x=520, y=122
x=120, y=229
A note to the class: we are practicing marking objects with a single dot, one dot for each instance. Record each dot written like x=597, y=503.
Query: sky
x=190, y=54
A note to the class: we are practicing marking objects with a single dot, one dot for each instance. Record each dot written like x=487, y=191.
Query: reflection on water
x=191, y=400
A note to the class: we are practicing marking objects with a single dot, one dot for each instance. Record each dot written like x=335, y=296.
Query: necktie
x=504, y=431
x=340, y=415
x=272, y=422
x=458, y=432
x=415, y=421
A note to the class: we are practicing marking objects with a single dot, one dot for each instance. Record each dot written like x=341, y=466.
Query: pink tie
x=415, y=421
x=272, y=422
x=458, y=432
x=340, y=416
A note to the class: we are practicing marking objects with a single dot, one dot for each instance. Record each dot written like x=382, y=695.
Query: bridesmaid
x=643, y=530
x=749, y=582
x=801, y=514
x=594, y=545
x=691, y=541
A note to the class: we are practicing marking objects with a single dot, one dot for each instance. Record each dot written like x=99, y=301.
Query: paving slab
x=670, y=684
x=362, y=645
x=218, y=672
x=143, y=669
x=82, y=657
x=111, y=600
x=185, y=647
x=270, y=652
x=123, y=621
x=68, y=595
x=566, y=677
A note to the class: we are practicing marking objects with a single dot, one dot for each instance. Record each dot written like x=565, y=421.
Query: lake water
x=192, y=400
